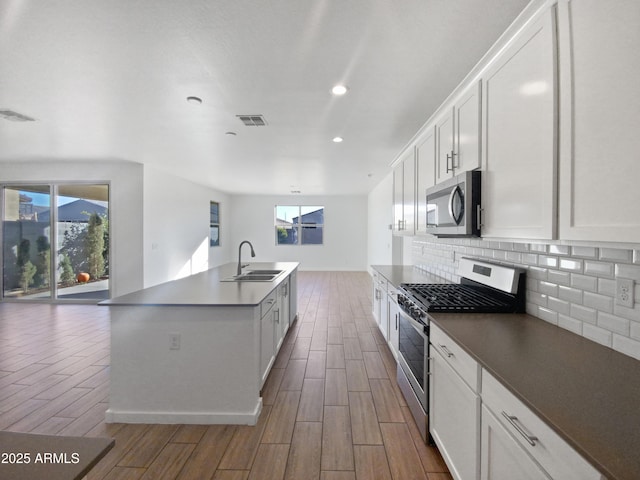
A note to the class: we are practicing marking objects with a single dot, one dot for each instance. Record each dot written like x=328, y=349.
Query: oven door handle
x=419, y=327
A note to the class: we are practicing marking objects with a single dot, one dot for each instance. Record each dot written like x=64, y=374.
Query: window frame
x=299, y=226
x=214, y=225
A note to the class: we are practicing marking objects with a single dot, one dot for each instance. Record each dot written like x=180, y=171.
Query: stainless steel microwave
x=453, y=206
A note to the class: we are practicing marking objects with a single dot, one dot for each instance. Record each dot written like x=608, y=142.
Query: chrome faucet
x=253, y=254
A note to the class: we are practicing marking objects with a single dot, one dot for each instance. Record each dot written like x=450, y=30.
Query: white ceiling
x=108, y=79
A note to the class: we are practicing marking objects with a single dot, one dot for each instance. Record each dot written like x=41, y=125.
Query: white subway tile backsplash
x=616, y=255
x=570, y=286
x=538, y=247
x=548, y=288
x=570, y=264
x=606, y=286
x=547, y=261
x=570, y=324
x=570, y=294
x=628, y=271
x=599, y=269
x=585, y=314
x=561, y=278
x=559, y=249
x=548, y=315
x=584, y=252
x=584, y=282
x=557, y=305
x=627, y=345
x=597, y=334
x=635, y=330
x=613, y=323
x=602, y=303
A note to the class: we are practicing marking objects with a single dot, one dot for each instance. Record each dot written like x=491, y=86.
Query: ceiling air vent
x=253, y=120
x=14, y=116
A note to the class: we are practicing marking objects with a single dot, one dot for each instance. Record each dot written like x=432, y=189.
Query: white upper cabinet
x=519, y=188
x=599, y=54
x=458, y=135
x=404, y=195
x=444, y=145
x=425, y=172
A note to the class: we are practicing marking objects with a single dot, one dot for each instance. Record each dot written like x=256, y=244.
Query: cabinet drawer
x=535, y=436
x=459, y=360
x=267, y=304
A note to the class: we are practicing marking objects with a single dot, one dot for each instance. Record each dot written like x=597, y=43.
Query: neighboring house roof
x=76, y=211
x=312, y=218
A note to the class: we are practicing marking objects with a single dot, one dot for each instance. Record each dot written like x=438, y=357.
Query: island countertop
x=207, y=288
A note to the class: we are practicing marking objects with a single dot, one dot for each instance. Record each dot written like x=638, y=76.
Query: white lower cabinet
x=394, y=320
x=454, y=415
x=268, y=312
x=502, y=457
x=513, y=437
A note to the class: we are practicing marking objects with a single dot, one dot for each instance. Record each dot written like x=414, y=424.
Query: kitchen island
x=197, y=350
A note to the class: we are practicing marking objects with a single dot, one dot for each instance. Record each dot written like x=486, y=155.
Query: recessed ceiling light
x=337, y=139
x=339, y=89
x=194, y=100
x=231, y=134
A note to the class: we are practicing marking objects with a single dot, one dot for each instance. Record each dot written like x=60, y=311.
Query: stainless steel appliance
x=484, y=288
x=453, y=206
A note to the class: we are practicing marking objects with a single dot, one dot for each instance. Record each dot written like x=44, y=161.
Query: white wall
x=380, y=217
x=125, y=179
x=176, y=227
x=345, y=233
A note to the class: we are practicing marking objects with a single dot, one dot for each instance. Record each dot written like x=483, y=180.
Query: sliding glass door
x=55, y=242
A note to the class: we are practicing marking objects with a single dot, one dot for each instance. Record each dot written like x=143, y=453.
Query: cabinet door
x=467, y=153
x=599, y=43
x=409, y=194
x=444, y=146
x=520, y=160
x=293, y=296
x=454, y=419
x=502, y=458
x=283, y=315
x=426, y=174
x=267, y=344
x=394, y=320
x=398, y=198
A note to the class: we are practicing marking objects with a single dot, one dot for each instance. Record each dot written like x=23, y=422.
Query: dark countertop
x=208, y=289
x=397, y=274
x=589, y=394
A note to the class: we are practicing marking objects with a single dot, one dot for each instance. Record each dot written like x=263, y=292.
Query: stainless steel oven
x=484, y=287
x=413, y=362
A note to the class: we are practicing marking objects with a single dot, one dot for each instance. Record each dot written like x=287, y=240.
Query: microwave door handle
x=456, y=192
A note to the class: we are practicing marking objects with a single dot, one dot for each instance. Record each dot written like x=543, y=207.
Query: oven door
x=413, y=352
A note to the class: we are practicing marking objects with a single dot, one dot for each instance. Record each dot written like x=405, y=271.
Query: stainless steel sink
x=263, y=272
x=254, y=276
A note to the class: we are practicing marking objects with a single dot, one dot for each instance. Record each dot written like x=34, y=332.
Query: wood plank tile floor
x=332, y=409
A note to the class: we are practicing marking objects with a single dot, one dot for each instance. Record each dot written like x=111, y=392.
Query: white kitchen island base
x=195, y=363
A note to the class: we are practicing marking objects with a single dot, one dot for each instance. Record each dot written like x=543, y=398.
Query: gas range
x=484, y=288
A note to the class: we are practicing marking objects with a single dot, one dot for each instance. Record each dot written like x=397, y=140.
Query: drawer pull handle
x=514, y=422
x=446, y=351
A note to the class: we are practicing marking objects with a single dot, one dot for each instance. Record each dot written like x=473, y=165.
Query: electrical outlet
x=174, y=341
x=624, y=292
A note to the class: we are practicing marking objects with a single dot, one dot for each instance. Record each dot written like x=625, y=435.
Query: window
x=299, y=225
x=214, y=224
x=55, y=241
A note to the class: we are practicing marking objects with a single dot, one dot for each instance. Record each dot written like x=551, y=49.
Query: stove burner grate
x=455, y=297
